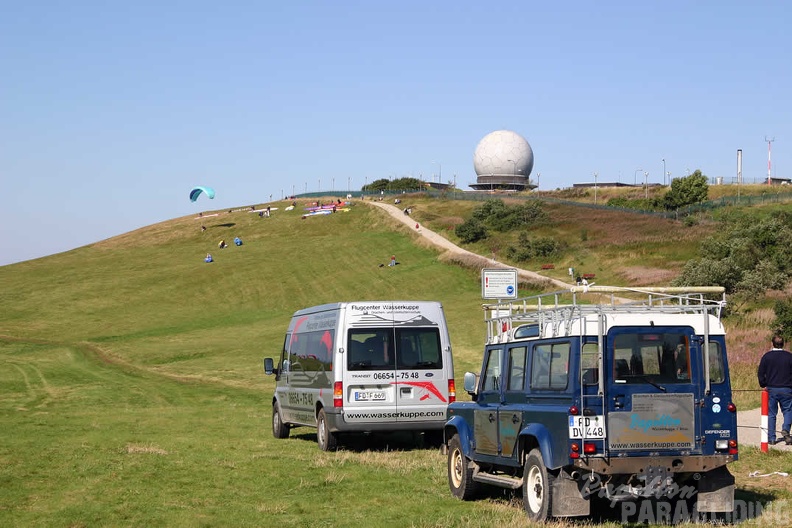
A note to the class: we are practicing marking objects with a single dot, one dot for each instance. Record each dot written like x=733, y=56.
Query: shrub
x=471, y=230
x=527, y=249
x=498, y=216
x=783, y=318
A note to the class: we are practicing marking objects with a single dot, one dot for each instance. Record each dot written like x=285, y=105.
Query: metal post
x=595, y=188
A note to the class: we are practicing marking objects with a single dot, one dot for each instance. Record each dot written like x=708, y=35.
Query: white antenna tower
x=769, y=165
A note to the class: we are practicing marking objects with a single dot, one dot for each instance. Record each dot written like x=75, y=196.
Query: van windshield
x=658, y=357
x=389, y=348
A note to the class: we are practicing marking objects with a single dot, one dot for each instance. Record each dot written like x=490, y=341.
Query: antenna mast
x=769, y=165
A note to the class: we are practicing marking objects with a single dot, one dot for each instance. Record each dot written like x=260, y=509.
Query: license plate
x=586, y=427
x=365, y=396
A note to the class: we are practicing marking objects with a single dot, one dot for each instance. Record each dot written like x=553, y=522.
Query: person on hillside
x=393, y=260
x=237, y=241
x=208, y=258
x=775, y=375
x=222, y=244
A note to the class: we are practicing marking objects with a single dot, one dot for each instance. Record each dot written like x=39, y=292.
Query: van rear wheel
x=460, y=474
x=279, y=429
x=537, y=487
x=326, y=439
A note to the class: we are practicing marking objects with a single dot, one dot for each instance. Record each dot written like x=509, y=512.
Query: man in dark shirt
x=775, y=374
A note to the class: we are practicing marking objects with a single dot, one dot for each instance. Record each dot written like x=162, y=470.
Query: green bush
x=527, y=249
x=495, y=214
x=471, y=230
x=783, y=319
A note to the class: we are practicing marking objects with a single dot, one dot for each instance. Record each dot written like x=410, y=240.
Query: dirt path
x=447, y=245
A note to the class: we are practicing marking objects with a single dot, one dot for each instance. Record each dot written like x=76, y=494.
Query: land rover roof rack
x=563, y=306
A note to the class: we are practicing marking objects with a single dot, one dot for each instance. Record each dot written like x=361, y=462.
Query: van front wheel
x=327, y=440
x=279, y=429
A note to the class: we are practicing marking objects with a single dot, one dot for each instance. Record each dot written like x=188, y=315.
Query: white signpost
x=499, y=283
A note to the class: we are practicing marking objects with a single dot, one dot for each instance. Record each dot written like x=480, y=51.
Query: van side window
x=516, y=368
x=550, y=366
x=589, y=364
x=491, y=381
x=716, y=363
x=311, y=351
x=284, y=359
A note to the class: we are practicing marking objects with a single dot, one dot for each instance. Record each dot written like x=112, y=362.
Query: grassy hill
x=132, y=388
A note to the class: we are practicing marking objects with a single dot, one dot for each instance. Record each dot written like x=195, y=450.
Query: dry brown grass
x=134, y=449
x=643, y=276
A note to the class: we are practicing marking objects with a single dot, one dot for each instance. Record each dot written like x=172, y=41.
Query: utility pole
x=769, y=150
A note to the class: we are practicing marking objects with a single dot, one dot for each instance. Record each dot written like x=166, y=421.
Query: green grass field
x=132, y=391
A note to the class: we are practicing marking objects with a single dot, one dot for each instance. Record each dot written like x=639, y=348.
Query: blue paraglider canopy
x=196, y=192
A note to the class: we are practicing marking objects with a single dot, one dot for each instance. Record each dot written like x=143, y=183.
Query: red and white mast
x=769, y=164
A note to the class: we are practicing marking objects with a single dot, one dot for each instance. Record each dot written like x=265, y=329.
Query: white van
x=362, y=367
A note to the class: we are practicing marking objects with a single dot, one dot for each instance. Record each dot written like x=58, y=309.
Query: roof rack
x=562, y=308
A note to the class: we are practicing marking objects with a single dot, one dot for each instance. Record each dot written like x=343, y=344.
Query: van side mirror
x=269, y=367
x=470, y=382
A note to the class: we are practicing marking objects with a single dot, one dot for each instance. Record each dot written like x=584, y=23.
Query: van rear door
x=421, y=382
x=370, y=392
x=652, y=390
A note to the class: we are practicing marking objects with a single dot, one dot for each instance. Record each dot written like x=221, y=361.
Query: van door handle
x=618, y=401
x=491, y=417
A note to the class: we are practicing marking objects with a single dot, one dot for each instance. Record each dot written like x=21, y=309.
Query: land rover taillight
x=338, y=394
x=451, y=391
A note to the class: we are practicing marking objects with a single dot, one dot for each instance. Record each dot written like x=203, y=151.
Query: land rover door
x=652, y=390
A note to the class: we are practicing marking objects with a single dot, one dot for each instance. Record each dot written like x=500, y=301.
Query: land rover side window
x=549, y=366
x=589, y=365
x=716, y=362
x=516, y=358
x=418, y=348
x=370, y=349
x=492, y=371
x=662, y=357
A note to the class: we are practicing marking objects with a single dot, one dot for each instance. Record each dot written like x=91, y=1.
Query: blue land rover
x=599, y=392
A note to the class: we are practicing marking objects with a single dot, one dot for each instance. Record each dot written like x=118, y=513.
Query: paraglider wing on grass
x=196, y=192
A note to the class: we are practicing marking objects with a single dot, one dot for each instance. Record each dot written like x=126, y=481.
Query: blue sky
x=110, y=112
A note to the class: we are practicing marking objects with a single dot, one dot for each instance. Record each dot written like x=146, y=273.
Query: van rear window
x=394, y=348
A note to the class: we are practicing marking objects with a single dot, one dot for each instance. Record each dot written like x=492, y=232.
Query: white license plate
x=365, y=396
x=586, y=427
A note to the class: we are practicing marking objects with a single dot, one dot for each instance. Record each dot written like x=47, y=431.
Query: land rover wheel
x=279, y=429
x=460, y=474
x=537, y=487
x=327, y=440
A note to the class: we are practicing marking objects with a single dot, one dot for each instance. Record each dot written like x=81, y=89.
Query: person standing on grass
x=775, y=375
